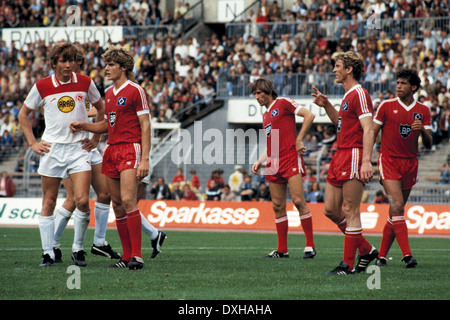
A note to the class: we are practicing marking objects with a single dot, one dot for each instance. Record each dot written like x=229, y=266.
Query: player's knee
x=129, y=202
x=104, y=197
x=278, y=207
x=300, y=204
x=82, y=202
x=397, y=207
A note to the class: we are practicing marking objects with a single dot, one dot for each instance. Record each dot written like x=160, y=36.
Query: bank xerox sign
x=421, y=219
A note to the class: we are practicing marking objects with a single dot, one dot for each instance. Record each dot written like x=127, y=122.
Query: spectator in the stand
x=188, y=193
x=445, y=173
x=263, y=193
x=236, y=179
x=179, y=177
x=160, y=190
x=315, y=194
x=7, y=187
x=227, y=194
x=177, y=193
x=195, y=180
x=213, y=191
x=247, y=193
x=217, y=178
x=380, y=197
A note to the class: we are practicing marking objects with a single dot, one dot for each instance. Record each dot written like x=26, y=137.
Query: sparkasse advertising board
x=246, y=216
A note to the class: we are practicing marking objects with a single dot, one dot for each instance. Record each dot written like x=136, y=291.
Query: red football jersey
x=396, y=119
x=355, y=105
x=279, y=123
x=122, y=108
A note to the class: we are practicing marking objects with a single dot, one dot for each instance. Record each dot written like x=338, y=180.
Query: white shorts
x=64, y=159
x=96, y=157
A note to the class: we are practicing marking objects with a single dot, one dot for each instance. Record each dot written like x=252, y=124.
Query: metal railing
x=332, y=29
x=176, y=29
x=296, y=84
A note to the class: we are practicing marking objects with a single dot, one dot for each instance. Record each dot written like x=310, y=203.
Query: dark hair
x=65, y=50
x=409, y=75
x=265, y=86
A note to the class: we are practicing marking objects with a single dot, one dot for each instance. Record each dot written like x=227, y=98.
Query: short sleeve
x=33, y=99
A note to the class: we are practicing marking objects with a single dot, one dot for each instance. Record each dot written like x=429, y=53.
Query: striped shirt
x=355, y=105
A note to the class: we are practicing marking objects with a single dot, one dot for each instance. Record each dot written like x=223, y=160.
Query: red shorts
x=400, y=169
x=120, y=157
x=279, y=170
x=344, y=166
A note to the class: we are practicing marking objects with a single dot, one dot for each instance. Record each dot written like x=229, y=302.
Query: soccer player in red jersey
x=351, y=166
x=402, y=121
x=285, y=164
x=126, y=157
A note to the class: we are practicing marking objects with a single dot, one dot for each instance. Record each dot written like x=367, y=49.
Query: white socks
x=62, y=217
x=46, y=229
x=101, y=212
x=81, y=222
x=148, y=228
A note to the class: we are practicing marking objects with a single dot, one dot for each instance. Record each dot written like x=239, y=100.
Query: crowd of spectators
x=179, y=74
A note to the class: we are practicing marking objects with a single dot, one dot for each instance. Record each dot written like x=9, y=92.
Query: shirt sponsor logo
x=405, y=130
x=66, y=104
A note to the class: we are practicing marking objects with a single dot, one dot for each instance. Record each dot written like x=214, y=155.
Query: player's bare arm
x=257, y=165
x=143, y=168
x=368, y=140
x=98, y=127
x=308, y=118
x=322, y=101
x=40, y=147
x=425, y=133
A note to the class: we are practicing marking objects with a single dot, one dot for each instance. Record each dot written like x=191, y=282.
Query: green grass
x=219, y=266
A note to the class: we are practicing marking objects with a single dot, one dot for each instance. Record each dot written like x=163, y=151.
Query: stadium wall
x=423, y=220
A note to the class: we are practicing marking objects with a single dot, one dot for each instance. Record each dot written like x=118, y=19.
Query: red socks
x=306, y=221
x=282, y=231
x=395, y=229
x=352, y=240
x=387, y=239
x=129, y=228
x=122, y=229
x=364, y=246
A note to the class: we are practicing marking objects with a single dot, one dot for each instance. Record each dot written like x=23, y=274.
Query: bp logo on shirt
x=405, y=130
x=66, y=104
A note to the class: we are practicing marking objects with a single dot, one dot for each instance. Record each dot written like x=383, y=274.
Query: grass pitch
x=220, y=266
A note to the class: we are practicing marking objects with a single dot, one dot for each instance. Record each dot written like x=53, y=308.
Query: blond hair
x=354, y=60
x=122, y=57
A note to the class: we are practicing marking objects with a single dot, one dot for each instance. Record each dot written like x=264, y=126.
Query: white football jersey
x=63, y=103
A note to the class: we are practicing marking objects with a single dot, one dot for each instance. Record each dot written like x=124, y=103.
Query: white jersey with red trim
x=63, y=103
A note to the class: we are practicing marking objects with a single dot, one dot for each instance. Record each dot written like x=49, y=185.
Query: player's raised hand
x=319, y=99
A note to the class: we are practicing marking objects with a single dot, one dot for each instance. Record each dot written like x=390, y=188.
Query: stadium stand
x=191, y=75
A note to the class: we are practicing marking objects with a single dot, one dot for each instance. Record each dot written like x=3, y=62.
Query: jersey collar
x=407, y=108
x=57, y=83
x=121, y=87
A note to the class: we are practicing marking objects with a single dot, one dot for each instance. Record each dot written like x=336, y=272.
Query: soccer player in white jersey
x=62, y=96
x=98, y=181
